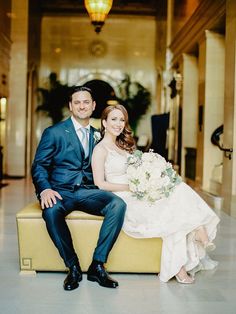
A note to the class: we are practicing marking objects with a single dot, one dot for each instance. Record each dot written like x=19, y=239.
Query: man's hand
x=49, y=198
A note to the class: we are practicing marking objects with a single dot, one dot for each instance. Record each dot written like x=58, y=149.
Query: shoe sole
x=70, y=289
x=95, y=279
x=184, y=281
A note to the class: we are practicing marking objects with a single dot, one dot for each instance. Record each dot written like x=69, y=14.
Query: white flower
x=148, y=157
x=150, y=176
x=96, y=136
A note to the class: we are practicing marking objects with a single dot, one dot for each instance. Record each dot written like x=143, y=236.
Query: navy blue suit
x=60, y=165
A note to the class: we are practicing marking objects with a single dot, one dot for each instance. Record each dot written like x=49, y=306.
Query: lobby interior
x=183, y=53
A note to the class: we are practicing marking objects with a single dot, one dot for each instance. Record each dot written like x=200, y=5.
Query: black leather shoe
x=73, y=278
x=98, y=273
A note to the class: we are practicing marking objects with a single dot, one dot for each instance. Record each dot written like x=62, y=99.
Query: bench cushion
x=33, y=210
x=38, y=253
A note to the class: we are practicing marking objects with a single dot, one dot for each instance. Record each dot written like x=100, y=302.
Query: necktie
x=84, y=140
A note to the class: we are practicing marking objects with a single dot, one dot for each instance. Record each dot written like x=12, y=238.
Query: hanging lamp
x=98, y=10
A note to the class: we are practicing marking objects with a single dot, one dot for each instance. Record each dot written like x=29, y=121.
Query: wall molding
x=5, y=45
x=205, y=17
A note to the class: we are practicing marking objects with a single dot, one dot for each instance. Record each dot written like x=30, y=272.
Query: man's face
x=82, y=106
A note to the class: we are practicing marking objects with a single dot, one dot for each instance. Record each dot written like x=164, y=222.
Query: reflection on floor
x=213, y=291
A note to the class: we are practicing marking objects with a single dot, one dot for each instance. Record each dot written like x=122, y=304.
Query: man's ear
x=70, y=106
x=94, y=105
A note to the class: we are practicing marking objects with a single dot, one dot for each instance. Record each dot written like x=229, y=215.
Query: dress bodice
x=115, y=167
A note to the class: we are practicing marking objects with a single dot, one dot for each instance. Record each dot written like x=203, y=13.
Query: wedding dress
x=174, y=219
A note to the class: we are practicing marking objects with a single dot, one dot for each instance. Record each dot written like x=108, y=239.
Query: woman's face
x=115, y=122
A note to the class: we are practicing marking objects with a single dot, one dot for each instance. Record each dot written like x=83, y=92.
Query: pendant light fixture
x=98, y=10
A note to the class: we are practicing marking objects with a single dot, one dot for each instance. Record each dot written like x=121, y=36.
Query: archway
x=102, y=93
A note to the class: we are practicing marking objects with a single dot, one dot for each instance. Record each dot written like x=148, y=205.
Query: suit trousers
x=92, y=201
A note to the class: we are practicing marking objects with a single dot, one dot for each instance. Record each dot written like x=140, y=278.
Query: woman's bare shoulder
x=100, y=147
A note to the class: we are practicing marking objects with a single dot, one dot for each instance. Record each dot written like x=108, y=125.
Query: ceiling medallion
x=98, y=48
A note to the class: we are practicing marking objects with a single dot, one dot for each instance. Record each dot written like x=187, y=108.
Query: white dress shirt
x=77, y=126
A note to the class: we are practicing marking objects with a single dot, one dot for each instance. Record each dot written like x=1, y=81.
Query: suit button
x=85, y=179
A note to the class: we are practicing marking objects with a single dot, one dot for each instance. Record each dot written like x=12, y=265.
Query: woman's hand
x=49, y=198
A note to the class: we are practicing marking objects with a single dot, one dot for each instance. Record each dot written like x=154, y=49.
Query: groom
x=63, y=180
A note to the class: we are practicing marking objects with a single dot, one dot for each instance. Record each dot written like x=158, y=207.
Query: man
x=63, y=180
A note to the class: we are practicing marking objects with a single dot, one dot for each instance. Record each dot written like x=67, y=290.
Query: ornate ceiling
x=132, y=7
x=156, y=8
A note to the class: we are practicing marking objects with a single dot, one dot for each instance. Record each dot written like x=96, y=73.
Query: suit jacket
x=59, y=161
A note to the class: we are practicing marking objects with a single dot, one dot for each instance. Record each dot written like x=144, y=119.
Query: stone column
x=211, y=104
x=16, y=115
x=168, y=74
x=189, y=69
x=229, y=166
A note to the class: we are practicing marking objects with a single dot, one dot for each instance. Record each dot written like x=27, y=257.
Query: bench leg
x=26, y=267
x=28, y=273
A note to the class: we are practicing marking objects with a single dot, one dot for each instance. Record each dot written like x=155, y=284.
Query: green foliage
x=54, y=99
x=135, y=98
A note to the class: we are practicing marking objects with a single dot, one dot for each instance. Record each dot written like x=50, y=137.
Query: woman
x=184, y=221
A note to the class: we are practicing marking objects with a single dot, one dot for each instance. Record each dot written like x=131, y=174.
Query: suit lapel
x=91, y=142
x=73, y=138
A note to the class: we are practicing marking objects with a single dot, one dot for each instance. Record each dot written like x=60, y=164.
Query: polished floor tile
x=213, y=291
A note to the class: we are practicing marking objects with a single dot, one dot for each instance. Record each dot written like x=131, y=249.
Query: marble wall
x=189, y=70
x=229, y=165
x=212, y=100
x=16, y=111
x=71, y=48
x=5, y=48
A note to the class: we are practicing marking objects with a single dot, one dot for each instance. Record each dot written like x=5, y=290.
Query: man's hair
x=75, y=89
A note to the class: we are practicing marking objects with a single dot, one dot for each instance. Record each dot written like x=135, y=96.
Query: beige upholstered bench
x=37, y=252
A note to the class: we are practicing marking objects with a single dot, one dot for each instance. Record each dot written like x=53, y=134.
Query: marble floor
x=213, y=291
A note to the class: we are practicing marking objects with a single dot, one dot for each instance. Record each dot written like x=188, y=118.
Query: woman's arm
x=98, y=167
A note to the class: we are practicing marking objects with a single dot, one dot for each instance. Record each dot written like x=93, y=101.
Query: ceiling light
x=98, y=10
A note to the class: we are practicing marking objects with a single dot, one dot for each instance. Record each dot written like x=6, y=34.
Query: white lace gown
x=173, y=219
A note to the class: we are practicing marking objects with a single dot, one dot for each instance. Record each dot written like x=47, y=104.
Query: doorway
x=103, y=93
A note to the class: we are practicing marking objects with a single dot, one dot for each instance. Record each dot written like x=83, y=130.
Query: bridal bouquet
x=150, y=176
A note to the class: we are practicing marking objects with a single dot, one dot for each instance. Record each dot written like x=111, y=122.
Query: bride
x=184, y=221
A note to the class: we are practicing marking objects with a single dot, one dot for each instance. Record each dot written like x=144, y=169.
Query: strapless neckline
x=125, y=154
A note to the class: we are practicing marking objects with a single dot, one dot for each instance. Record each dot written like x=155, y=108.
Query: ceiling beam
x=120, y=7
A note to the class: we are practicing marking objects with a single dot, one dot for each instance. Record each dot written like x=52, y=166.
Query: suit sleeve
x=42, y=163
